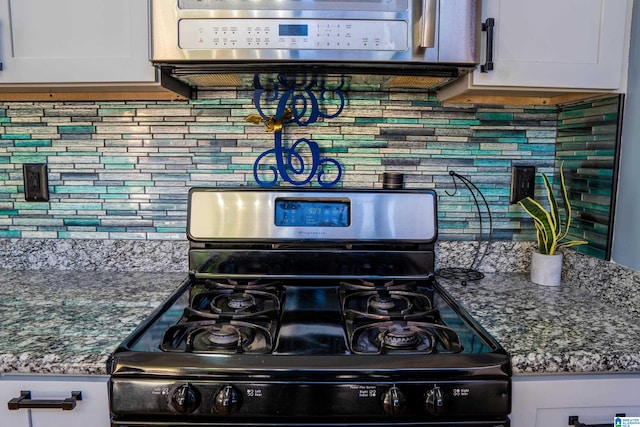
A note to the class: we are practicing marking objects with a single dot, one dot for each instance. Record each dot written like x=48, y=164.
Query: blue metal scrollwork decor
x=296, y=103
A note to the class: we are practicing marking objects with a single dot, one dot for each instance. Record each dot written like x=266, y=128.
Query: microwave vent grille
x=422, y=82
x=213, y=80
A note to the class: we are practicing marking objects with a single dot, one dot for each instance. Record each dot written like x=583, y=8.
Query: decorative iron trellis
x=296, y=103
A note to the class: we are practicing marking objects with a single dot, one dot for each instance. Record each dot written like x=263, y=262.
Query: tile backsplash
x=121, y=170
x=587, y=146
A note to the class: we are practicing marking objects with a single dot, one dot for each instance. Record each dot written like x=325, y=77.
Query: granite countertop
x=68, y=322
x=552, y=329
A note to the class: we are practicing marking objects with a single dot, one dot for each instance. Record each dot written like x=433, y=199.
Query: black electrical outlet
x=523, y=179
x=36, y=182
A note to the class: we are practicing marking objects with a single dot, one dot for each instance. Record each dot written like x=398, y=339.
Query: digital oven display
x=312, y=213
x=293, y=30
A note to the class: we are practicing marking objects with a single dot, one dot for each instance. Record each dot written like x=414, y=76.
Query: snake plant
x=550, y=230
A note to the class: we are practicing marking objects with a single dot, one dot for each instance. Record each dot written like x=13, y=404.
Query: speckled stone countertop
x=68, y=322
x=552, y=329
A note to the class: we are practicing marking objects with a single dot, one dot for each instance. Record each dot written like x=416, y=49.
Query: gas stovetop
x=278, y=338
x=311, y=316
x=281, y=330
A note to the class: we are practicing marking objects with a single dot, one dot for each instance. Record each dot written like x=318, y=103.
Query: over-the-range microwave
x=197, y=40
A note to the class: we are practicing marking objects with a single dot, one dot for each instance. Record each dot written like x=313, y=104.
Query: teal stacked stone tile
x=587, y=145
x=121, y=170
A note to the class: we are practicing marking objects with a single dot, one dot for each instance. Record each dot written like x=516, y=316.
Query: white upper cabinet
x=74, y=41
x=556, y=43
x=560, y=45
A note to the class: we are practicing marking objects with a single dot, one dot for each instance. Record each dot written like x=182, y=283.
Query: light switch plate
x=523, y=180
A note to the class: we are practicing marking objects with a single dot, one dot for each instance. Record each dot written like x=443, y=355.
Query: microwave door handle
x=428, y=23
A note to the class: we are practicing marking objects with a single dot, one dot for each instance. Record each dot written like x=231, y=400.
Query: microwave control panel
x=293, y=34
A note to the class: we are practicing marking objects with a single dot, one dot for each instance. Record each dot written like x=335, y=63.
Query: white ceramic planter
x=546, y=269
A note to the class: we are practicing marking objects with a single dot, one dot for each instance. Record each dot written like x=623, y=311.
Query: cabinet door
x=549, y=400
x=10, y=418
x=74, y=41
x=92, y=410
x=557, y=43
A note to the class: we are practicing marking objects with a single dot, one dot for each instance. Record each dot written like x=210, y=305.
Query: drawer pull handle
x=25, y=402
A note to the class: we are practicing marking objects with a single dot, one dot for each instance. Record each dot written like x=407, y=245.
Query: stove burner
x=388, y=304
x=381, y=303
x=234, y=304
x=382, y=284
x=235, y=284
x=240, y=301
x=407, y=337
x=399, y=336
x=211, y=336
x=218, y=335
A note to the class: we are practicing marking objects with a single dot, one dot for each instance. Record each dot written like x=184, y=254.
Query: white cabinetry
x=553, y=46
x=92, y=410
x=549, y=400
x=72, y=41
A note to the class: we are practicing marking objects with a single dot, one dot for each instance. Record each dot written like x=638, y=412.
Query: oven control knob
x=434, y=402
x=227, y=401
x=394, y=402
x=185, y=399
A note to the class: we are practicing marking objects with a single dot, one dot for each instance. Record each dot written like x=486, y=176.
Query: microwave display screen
x=293, y=30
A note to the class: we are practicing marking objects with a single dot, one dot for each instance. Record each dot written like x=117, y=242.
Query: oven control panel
x=249, y=215
x=289, y=399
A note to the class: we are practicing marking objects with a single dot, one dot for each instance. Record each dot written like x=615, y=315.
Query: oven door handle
x=25, y=402
x=574, y=420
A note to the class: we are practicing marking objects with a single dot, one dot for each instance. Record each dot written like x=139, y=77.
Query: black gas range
x=310, y=308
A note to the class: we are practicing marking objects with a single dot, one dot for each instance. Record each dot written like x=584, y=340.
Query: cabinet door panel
x=74, y=41
x=601, y=415
x=556, y=43
x=540, y=39
x=92, y=410
x=11, y=418
x=549, y=400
